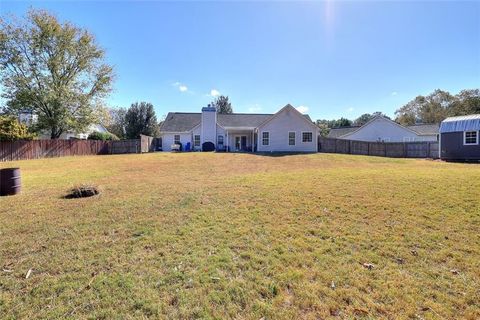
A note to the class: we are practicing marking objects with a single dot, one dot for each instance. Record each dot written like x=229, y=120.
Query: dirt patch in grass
x=205, y=235
x=82, y=191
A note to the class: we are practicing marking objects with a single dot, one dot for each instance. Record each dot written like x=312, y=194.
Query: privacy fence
x=421, y=149
x=36, y=149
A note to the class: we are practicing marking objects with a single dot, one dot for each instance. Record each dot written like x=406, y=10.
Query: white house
x=29, y=118
x=285, y=131
x=381, y=129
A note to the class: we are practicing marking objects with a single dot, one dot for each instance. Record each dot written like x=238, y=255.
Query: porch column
x=252, y=144
x=227, y=143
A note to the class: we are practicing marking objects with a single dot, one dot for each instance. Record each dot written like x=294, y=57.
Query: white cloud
x=394, y=93
x=214, y=93
x=350, y=109
x=180, y=86
x=302, y=109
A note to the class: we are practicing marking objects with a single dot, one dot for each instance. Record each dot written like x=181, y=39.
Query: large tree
x=466, y=102
x=140, y=118
x=223, y=105
x=432, y=108
x=364, y=118
x=54, y=69
x=118, y=122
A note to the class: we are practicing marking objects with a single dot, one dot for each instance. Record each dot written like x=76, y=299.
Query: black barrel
x=10, y=183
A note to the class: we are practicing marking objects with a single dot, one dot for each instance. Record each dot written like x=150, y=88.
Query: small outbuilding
x=459, y=138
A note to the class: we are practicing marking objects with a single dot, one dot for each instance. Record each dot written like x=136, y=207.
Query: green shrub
x=11, y=129
x=102, y=136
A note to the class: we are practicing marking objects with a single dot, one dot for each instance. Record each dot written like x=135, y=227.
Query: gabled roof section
x=180, y=121
x=306, y=117
x=374, y=119
x=461, y=123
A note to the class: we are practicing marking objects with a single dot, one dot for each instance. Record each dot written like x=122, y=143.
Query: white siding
x=167, y=140
x=381, y=129
x=197, y=130
x=209, y=127
x=288, y=120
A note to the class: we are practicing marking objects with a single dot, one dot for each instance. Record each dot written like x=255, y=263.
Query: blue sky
x=332, y=58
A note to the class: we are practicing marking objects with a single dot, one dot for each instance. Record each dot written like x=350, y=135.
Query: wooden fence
x=36, y=149
x=420, y=149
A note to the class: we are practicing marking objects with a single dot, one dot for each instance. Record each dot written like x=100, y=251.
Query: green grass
x=218, y=236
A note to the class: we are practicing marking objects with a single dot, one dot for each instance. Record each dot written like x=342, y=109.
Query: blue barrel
x=10, y=183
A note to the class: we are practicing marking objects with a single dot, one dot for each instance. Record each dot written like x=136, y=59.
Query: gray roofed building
x=186, y=121
x=288, y=130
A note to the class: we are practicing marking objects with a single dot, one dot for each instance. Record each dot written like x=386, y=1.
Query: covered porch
x=240, y=139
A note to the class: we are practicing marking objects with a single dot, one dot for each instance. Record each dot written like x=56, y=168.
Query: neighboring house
x=381, y=129
x=460, y=138
x=285, y=131
x=29, y=118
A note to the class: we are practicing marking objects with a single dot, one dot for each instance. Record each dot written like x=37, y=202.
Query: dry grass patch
x=242, y=236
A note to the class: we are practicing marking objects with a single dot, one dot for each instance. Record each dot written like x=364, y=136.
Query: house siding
x=452, y=147
x=381, y=129
x=209, y=126
x=168, y=138
x=288, y=120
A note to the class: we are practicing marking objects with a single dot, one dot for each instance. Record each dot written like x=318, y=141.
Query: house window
x=307, y=136
x=196, y=140
x=176, y=139
x=291, y=138
x=408, y=139
x=470, y=138
x=220, y=140
x=265, y=138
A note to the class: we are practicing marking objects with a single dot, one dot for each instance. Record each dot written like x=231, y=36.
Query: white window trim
x=179, y=138
x=223, y=139
x=199, y=140
x=268, y=139
x=307, y=132
x=294, y=138
x=465, y=138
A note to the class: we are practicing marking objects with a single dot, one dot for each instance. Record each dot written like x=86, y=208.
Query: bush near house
x=11, y=129
x=104, y=136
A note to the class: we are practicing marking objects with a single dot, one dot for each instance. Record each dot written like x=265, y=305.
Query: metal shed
x=460, y=138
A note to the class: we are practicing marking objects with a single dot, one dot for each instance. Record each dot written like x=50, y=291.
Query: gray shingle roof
x=184, y=121
x=180, y=121
x=242, y=119
x=425, y=129
x=338, y=132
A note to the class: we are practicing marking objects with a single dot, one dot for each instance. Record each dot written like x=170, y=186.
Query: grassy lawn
x=217, y=236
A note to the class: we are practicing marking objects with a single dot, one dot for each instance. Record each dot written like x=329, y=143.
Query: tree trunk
x=54, y=133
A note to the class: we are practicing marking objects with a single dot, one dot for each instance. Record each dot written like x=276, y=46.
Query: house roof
x=242, y=119
x=180, y=121
x=338, y=132
x=419, y=129
x=184, y=121
x=461, y=123
x=425, y=129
